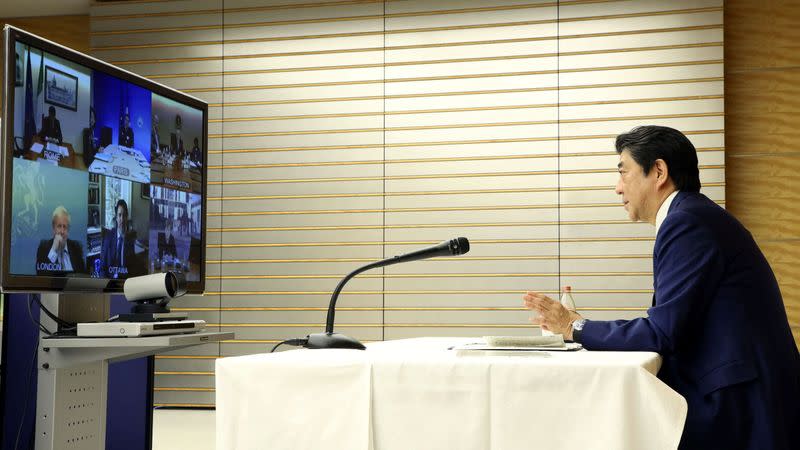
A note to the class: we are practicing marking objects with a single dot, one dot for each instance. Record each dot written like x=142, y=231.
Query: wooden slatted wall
x=348, y=131
x=762, y=72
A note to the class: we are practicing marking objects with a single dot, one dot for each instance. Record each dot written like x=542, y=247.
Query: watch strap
x=577, y=329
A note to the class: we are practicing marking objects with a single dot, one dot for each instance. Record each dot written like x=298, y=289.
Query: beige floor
x=175, y=429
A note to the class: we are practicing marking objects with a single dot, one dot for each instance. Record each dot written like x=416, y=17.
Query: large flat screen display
x=103, y=173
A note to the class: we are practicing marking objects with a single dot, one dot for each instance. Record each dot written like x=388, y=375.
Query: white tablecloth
x=416, y=394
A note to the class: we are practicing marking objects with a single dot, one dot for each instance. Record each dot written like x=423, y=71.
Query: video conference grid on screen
x=107, y=176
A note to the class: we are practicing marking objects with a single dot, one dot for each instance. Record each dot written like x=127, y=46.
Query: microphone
x=329, y=339
x=454, y=247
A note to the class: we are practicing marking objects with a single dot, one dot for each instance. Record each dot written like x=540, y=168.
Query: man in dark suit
x=126, y=132
x=196, y=155
x=717, y=319
x=90, y=142
x=51, y=127
x=166, y=241
x=60, y=254
x=117, y=250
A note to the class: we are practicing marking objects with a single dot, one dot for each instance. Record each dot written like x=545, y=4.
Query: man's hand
x=553, y=316
x=58, y=243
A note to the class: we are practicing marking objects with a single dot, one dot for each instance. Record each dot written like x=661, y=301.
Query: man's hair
x=60, y=211
x=648, y=143
x=121, y=202
x=52, y=110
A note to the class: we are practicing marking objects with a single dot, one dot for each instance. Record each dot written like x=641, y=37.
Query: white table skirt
x=416, y=394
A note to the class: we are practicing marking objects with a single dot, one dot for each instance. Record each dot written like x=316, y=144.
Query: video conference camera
x=150, y=295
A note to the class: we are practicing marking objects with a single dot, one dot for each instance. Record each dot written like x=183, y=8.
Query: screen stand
x=71, y=401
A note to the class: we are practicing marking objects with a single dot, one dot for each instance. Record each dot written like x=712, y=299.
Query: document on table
x=505, y=344
x=483, y=347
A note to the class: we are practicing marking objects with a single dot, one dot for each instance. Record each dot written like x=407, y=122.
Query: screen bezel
x=41, y=283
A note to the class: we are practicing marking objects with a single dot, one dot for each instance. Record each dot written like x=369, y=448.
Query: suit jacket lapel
x=679, y=197
x=116, y=248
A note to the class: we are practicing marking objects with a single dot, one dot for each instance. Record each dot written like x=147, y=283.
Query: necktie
x=119, y=252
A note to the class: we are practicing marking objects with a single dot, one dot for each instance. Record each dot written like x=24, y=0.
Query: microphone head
x=459, y=246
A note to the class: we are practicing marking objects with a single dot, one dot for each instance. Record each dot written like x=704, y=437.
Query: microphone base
x=332, y=340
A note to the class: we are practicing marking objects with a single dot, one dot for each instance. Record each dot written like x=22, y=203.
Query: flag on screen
x=30, y=118
x=38, y=103
x=40, y=83
x=123, y=109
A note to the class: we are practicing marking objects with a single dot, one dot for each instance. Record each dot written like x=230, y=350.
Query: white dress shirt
x=661, y=215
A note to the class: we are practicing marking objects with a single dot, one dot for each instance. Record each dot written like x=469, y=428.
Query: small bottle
x=566, y=301
x=566, y=298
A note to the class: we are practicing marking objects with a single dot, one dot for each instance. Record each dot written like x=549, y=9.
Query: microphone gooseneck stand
x=329, y=339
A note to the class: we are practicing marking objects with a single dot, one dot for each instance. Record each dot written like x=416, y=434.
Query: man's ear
x=662, y=172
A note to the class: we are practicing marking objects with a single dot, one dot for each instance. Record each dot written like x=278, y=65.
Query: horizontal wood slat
x=347, y=131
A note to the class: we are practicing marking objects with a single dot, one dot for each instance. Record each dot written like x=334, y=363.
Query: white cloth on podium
x=293, y=400
x=417, y=394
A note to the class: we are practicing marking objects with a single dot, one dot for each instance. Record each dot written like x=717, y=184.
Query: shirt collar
x=661, y=215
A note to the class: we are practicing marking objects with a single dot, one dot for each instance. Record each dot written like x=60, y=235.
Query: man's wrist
x=577, y=329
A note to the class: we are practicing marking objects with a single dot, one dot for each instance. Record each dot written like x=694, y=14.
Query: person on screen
x=60, y=254
x=166, y=241
x=184, y=222
x=51, y=127
x=196, y=154
x=90, y=143
x=155, y=140
x=117, y=250
x=126, y=132
x=717, y=318
x=179, y=150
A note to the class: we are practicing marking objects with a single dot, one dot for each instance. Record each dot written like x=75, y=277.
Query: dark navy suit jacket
x=75, y=257
x=110, y=254
x=719, y=322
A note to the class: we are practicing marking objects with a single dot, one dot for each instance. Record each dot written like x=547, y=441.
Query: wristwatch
x=577, y=328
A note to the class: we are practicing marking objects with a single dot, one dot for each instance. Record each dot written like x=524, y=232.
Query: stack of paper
x=501, y=344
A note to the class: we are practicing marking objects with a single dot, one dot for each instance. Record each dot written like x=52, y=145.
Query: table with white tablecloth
x=422, y=394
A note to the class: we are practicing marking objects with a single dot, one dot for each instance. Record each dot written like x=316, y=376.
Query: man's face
x=122, y=218
x=61, y=226
x=638, y=190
